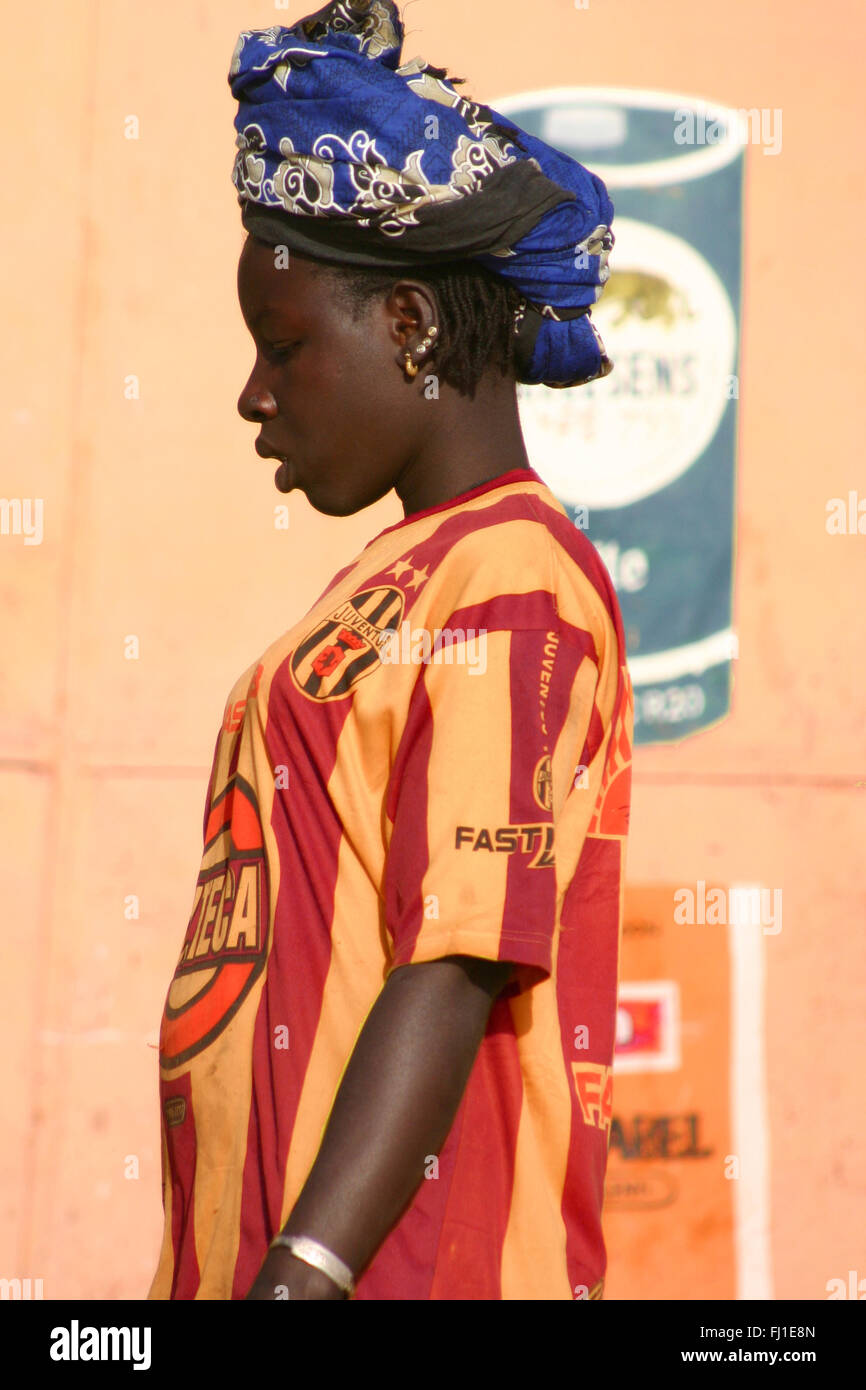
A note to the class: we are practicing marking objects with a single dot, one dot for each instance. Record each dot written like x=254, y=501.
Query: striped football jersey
x=436, y=760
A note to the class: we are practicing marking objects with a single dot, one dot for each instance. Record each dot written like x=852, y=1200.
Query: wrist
x=317, y=1257
x=289, y=1277
x=307, y=1283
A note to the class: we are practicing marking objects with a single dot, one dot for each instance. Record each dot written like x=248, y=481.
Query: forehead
x=273, y=280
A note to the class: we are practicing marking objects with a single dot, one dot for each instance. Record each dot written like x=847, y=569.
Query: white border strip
x=749, y=1120
x=675, y=169
x=692, y=659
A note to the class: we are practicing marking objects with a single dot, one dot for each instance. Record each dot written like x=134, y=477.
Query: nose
x=256, y=403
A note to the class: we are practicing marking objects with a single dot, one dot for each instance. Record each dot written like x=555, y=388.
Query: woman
x=386, y=1050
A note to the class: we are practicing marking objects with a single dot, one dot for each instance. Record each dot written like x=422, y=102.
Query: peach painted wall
x=158, y=522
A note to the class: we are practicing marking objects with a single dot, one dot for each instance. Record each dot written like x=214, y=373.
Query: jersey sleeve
x=482, y=771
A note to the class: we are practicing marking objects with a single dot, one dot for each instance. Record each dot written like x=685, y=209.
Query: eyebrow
x=264, y=313
x=268, y=312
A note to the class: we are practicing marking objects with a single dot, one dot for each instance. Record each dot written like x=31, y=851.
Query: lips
x=266, y=450
x=284, y=476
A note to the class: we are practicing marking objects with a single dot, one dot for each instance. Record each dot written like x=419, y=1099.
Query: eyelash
x=279, y=353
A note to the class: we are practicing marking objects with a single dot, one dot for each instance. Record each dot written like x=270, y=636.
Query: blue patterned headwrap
x=347, y=156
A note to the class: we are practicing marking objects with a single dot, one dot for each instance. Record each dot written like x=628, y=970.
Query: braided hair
x=475, y=321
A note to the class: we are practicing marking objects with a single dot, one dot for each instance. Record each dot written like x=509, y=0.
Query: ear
x=413, y=311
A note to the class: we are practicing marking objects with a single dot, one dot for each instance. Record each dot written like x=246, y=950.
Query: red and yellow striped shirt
x=436, y=760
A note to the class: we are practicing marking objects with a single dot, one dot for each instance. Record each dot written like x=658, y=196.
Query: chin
x=337, y=506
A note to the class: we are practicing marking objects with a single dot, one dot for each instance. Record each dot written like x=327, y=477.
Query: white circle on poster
x=668, y=325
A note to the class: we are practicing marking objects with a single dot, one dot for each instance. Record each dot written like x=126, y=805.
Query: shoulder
x=522, y=554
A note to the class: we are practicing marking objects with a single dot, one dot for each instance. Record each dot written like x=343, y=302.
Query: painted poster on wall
x=644, y=459
x=686, y=1206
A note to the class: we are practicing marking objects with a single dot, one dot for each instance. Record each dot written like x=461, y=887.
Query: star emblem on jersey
x=419, y=577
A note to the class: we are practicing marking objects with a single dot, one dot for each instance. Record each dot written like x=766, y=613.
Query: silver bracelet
x=312, y=1253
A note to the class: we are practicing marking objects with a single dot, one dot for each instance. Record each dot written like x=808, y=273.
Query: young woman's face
x=327, y=391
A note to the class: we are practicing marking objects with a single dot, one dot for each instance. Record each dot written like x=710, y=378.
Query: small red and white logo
x=647, y=1027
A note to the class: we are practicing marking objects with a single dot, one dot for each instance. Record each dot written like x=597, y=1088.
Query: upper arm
x=471, y=862
x=490, y=975
x=485, y=975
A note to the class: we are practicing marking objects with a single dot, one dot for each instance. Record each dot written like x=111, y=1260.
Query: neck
x=474, y=441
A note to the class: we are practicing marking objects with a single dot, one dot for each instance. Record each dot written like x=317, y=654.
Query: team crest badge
x=542, y=783
x=344, y=647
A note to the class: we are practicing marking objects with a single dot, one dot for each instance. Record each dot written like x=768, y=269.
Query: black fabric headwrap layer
x=446, y=231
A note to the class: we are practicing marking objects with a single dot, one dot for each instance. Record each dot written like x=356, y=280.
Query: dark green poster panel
x=645, y=459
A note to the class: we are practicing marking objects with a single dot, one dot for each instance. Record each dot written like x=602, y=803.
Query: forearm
x=395, y=1107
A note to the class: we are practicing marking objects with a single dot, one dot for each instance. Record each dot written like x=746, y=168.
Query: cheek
x=322, y=386
x=356, y=411
x=338, y=402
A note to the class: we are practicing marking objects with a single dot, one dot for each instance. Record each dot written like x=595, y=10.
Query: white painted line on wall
x=749, y=1117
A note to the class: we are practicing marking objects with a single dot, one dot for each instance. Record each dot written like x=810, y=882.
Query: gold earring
x=410, y=367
